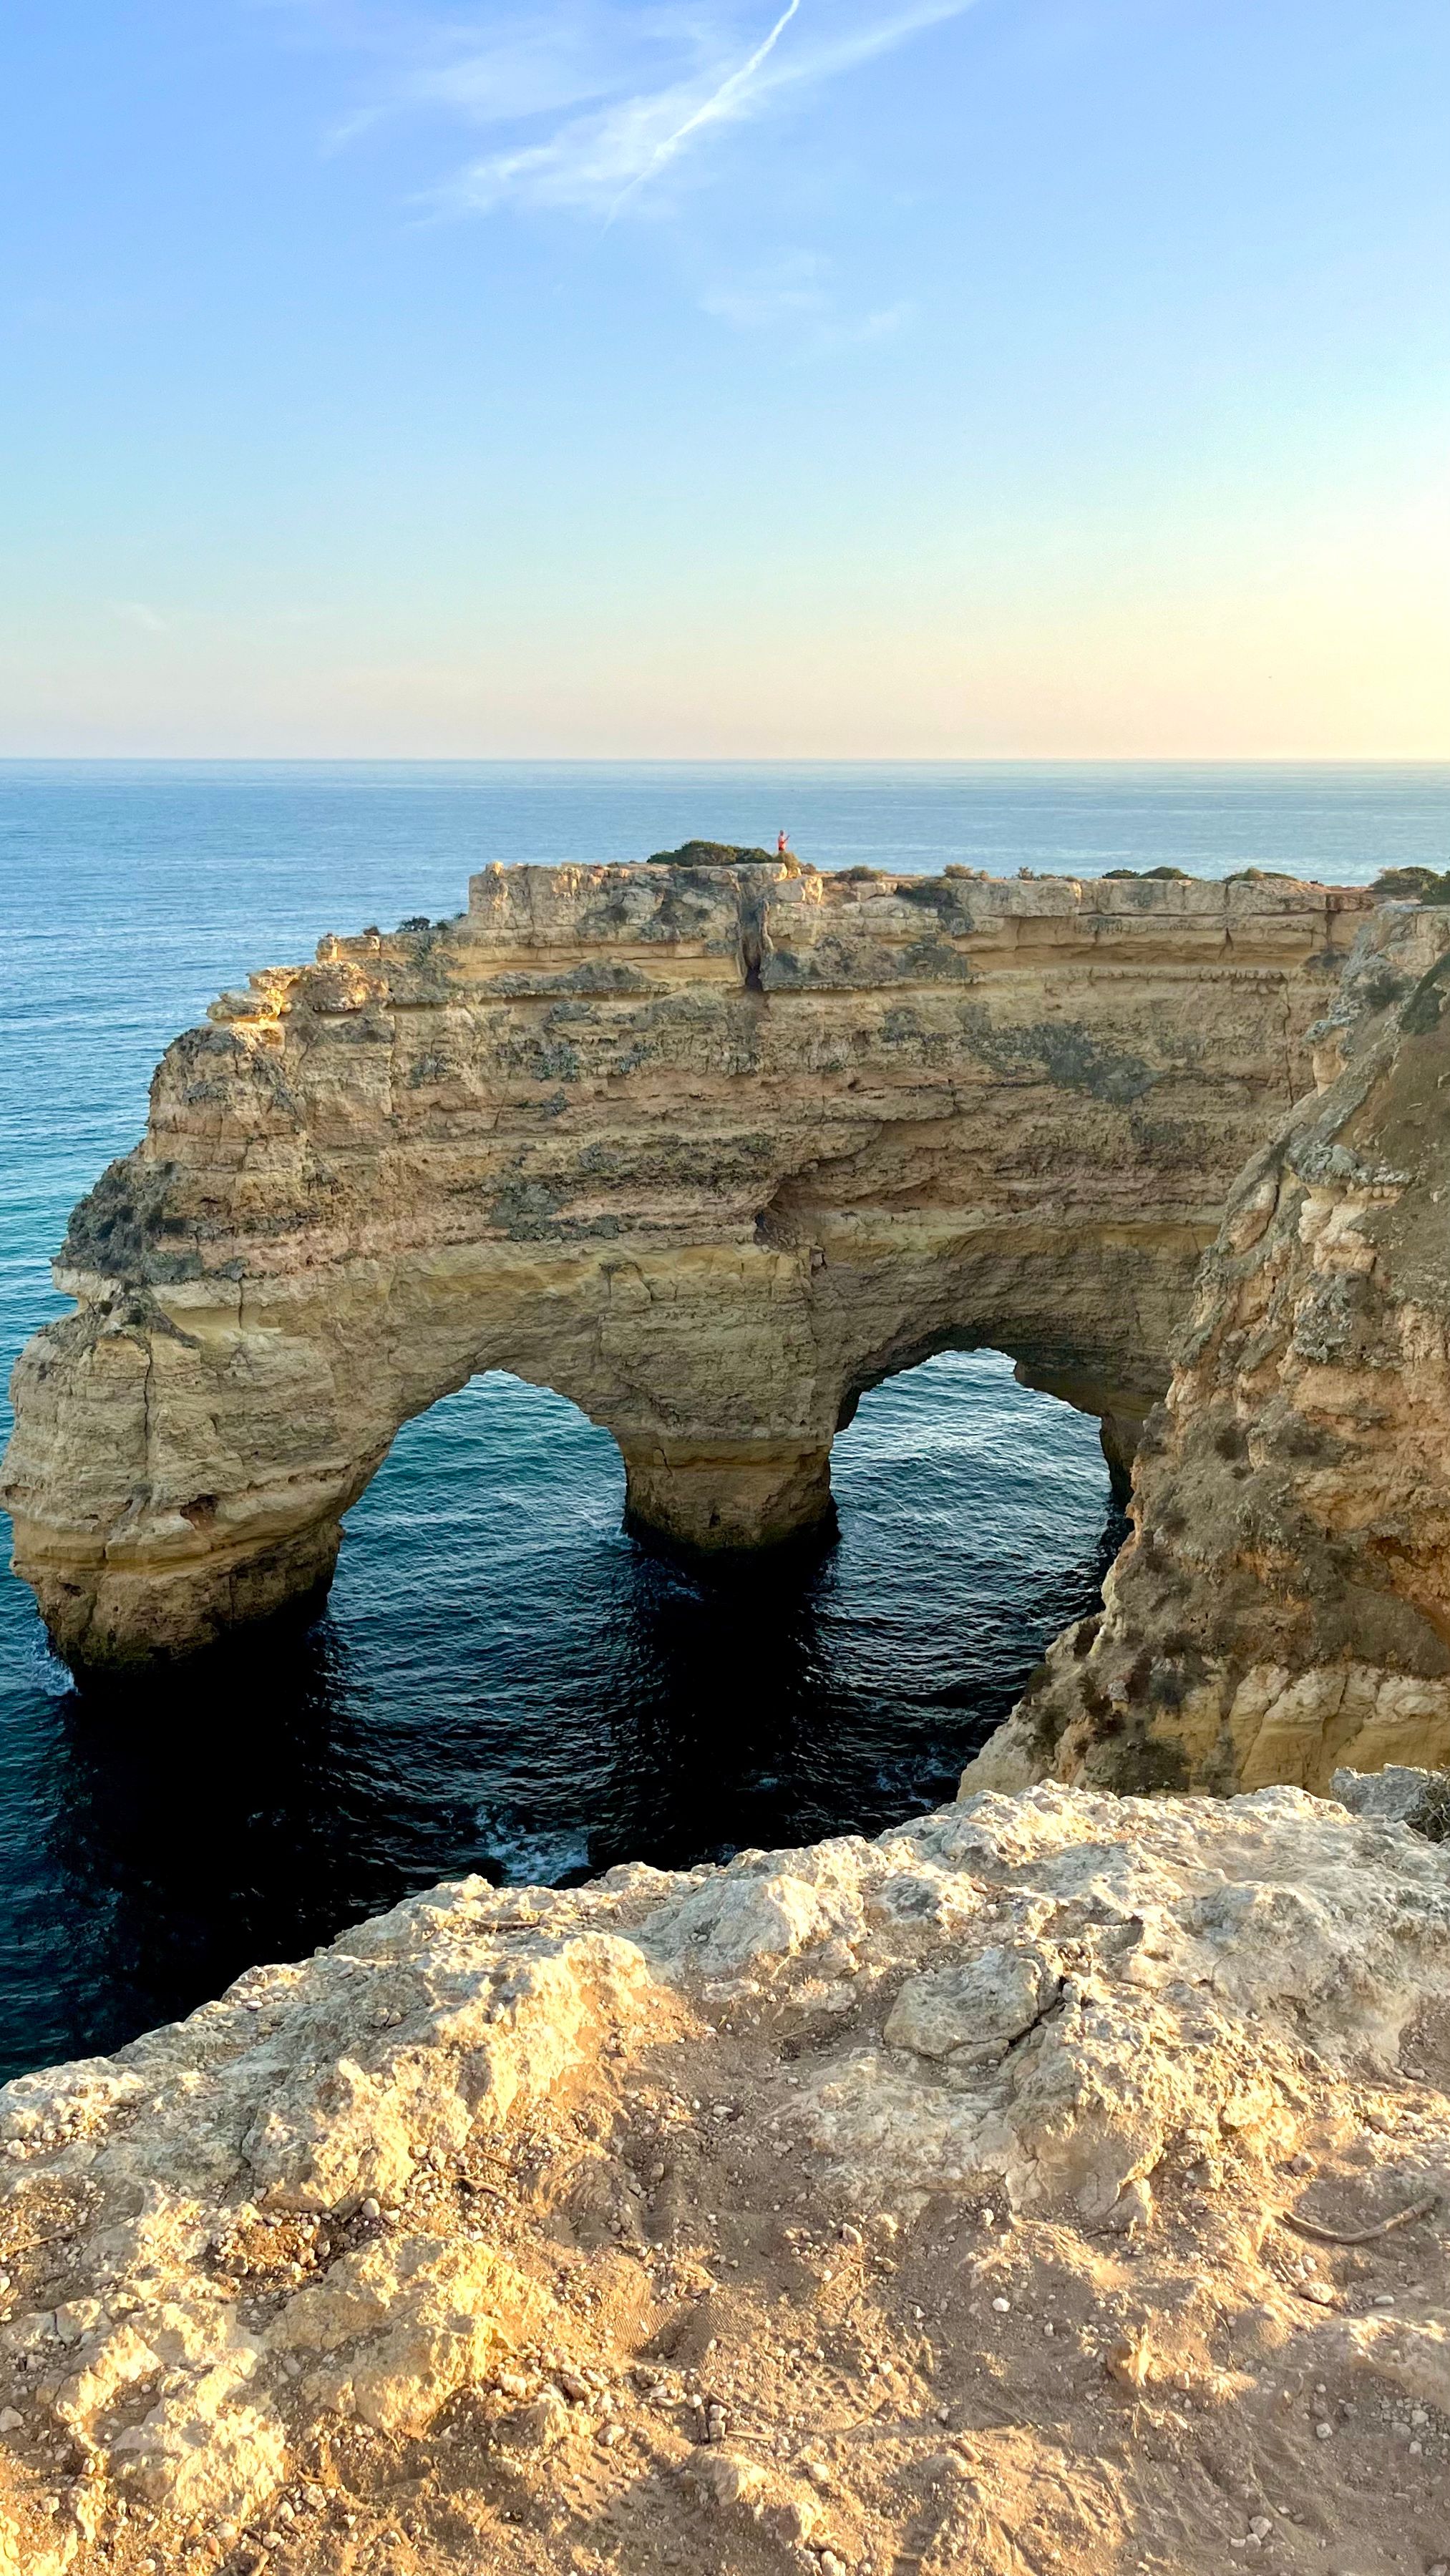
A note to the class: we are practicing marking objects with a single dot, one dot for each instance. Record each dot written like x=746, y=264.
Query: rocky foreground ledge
x=1055, y=2183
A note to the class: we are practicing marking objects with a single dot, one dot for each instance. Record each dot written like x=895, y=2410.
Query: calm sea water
x=503, y=1680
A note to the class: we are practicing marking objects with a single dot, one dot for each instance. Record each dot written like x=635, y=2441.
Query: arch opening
x=569, y=1697
x=1119, y=1405
x=505, y=1680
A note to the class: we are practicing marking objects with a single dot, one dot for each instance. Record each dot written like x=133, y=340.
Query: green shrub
x=711, y=854
x=1412, y=885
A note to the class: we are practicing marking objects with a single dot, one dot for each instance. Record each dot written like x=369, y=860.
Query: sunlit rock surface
x=710, y=1151
x=1055, y=2181
x=1283, y=1606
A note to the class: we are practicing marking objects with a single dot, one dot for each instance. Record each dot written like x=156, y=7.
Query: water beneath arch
x=505, y=1681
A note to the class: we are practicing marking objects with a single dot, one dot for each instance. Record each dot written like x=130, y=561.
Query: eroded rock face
x=707, y=1151
x=1283, y=1606
x=850, y=2197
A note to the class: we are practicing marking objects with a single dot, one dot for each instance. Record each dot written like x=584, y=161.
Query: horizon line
x=721, y=760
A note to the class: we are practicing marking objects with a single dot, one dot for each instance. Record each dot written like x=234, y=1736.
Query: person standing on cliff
x=782, y=845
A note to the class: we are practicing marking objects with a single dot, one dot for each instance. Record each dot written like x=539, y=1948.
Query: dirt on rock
x=1059, y=2183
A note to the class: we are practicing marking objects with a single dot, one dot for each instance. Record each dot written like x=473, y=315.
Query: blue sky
x=858, y=377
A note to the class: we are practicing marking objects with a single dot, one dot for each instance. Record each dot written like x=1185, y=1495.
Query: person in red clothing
x=782, y=846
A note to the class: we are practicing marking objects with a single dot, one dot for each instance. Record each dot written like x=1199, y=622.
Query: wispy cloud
x=717, y=109
x=589, y=104
x=796, y=300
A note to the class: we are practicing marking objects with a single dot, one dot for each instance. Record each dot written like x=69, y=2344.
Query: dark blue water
x=503, y=1680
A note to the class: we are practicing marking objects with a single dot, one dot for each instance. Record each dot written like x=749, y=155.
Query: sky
x=725, y=378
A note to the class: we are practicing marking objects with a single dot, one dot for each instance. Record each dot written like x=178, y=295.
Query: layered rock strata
x=1283, y=1605
x=1058, y=2181
x=708, y=1151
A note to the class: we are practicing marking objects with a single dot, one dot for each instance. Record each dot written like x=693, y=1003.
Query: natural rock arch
x=708, y=1151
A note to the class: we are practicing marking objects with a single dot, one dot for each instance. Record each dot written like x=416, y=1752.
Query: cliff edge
x=1283, y=1603
x=1057, y=2182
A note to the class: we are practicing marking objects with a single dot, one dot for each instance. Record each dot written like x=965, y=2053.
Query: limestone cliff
x=707, y=1150
x=1058, y=2182
x=1284, y=1602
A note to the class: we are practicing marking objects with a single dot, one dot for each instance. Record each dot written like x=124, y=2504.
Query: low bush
x=711, y=854
x=1413, y=885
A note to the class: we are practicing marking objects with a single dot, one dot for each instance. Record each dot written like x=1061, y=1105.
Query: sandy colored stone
x=708, y=1151
x=986, y=2005
x=768, y=2183
x=1282, y=1607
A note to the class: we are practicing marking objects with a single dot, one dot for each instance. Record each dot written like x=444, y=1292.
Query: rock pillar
x=723, y=1494
x=105, y=1618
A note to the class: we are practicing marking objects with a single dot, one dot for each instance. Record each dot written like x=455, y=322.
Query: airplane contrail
x=718, y=105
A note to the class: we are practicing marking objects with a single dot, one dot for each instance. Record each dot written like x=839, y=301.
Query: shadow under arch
x=506, y=1680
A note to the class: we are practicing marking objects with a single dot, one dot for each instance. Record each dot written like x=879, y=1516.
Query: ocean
x=503, y=1681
